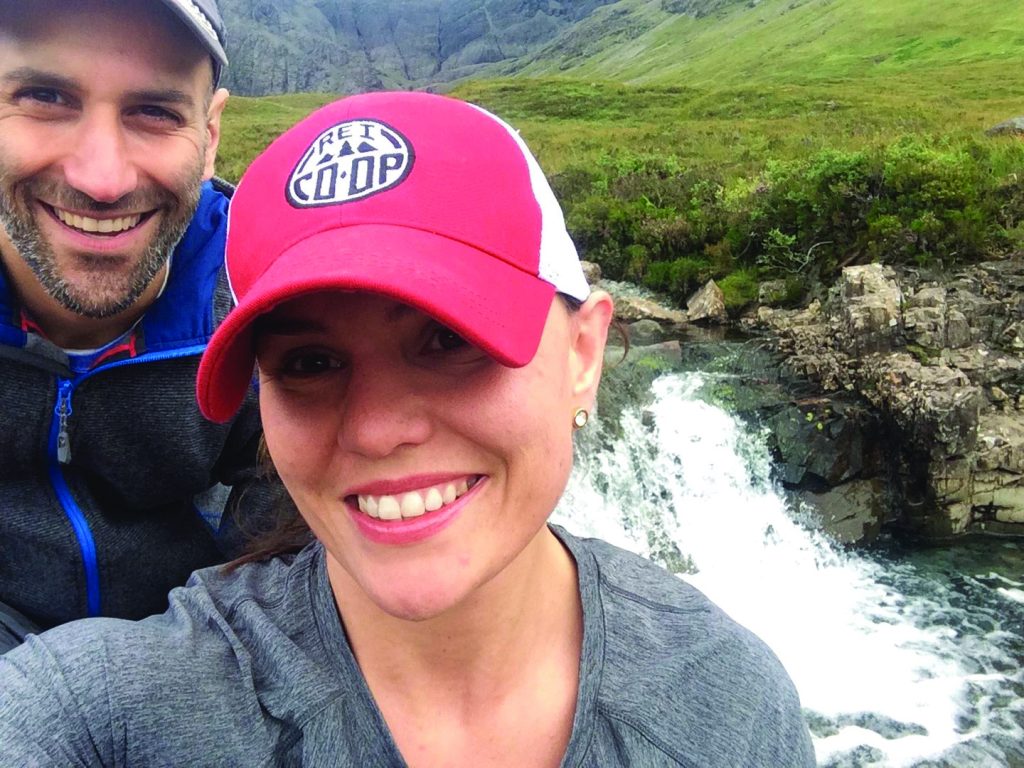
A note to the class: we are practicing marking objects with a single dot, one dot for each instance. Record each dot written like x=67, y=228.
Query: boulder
x=707, y=305
x=666, y=352
x=1013, y=126
x=631, y=308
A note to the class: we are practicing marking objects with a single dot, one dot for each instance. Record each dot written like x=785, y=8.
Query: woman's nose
x=382, y=412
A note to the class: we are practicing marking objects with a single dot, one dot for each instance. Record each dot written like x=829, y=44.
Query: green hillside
x=786, y=41
x=739, y=144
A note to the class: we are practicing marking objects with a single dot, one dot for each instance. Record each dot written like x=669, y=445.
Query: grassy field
x=250, y=124
x=706, y=148
x=569, y=121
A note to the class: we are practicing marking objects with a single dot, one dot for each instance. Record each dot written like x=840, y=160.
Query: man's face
x=108, y=126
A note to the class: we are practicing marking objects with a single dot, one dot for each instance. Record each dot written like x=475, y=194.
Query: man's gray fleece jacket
x=112, y=484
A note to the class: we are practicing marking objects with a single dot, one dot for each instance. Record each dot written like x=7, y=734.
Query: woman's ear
x=589, y=334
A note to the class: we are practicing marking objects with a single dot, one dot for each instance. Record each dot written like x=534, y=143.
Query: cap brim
x=490, y=303
x=207, y=37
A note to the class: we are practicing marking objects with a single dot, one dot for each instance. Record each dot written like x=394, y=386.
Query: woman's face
x=424, y=466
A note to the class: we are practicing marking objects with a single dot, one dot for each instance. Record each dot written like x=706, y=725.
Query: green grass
x=250, y=124
x=736, y=128
x=792, y=41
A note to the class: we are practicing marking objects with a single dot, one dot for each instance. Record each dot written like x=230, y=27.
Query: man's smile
x=110, y=225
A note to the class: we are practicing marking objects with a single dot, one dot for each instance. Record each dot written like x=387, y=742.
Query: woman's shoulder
x=643, y=587
x=214, y=650
x=675, y=669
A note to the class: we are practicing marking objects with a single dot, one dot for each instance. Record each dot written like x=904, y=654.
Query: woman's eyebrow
x=276, y=325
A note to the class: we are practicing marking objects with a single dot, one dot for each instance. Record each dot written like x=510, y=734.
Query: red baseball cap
x=432, y=201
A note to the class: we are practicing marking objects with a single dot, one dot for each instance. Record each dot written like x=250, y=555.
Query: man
x=112, y=485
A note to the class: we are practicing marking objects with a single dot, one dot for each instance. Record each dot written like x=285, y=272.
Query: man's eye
x=155, y=113
x=41, y=96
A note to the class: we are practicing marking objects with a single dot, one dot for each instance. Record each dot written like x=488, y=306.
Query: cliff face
x=347, y=45
x=941, y=361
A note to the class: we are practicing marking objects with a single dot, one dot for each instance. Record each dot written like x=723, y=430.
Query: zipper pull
x=63, y=410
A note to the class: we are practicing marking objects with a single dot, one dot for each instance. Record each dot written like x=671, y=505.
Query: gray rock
x=958, y=330
x=852, y=513
x=930, y=296
x=772, y=293
x=669, y=352
x=591, y=271
x=953, y=411
x=707, y=305
x=632, y=308
x=868, y=306
x=1015, y=125
x=646, y=331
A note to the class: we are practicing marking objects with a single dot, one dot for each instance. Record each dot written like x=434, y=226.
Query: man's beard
x=110, y=294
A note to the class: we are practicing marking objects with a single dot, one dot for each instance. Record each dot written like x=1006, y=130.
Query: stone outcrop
x=707, y=305
x=941, y=363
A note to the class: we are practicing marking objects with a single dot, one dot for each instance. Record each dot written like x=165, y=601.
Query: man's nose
x=99, y=164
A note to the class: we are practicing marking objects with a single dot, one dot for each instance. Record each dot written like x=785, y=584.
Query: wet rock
x=707, y=305
x=852, y=513
x=646, y=331
x=939, y=361
x=667, y=354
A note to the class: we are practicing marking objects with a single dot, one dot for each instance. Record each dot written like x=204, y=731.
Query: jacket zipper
x=60, y=455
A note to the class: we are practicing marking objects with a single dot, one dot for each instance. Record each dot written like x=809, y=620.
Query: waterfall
x=894, y=666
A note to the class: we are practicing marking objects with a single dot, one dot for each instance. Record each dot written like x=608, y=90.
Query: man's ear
x=217, y=102
x=589, y=334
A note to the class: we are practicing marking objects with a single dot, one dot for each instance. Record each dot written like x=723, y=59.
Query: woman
x=426, y=344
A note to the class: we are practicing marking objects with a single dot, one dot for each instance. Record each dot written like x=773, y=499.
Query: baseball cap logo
x=350, y=161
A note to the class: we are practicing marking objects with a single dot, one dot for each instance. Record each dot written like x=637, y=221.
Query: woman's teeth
x=93, y=226
x=414, y=503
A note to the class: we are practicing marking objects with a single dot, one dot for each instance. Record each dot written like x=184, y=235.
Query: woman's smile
x=414, y=515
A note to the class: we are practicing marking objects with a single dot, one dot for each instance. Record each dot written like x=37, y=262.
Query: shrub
x=739, y=289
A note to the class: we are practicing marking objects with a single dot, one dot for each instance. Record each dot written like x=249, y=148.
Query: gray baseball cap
x=203, y=18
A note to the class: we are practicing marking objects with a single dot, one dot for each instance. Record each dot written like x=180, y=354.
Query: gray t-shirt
x=253, y=668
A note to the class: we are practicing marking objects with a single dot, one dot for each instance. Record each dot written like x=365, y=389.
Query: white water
x=852, y=644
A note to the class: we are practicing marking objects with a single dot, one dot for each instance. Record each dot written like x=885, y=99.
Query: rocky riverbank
x=910, y=412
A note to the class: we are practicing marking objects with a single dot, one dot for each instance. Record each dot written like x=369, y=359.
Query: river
x=901, y=658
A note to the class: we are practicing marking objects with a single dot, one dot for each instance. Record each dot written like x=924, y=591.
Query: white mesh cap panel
x=559, y=262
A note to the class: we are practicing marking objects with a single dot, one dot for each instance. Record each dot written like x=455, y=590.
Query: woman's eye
x=308, y=364
x=445, y=340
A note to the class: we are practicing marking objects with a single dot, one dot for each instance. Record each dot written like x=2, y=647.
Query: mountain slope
x=786, y=40
x=346, y=45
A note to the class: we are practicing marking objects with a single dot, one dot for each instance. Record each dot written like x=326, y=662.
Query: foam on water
x=880, y=656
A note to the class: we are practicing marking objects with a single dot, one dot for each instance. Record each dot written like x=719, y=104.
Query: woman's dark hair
x=290, y=533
